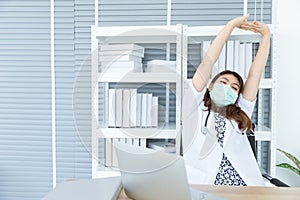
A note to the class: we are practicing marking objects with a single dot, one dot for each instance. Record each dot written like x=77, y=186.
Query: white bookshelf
x=181, y=36
x=138, y=35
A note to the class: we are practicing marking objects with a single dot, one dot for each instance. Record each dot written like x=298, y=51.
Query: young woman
x=216, y=150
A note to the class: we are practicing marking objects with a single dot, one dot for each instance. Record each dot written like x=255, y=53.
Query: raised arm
x=260, y=60
x=204, y=70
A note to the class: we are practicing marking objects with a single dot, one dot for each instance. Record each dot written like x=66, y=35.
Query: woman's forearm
x=204, y=70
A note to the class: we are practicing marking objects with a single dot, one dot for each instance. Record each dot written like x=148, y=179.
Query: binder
x=144, y=110
x=108, y=152
x=111, y=108
x=119, y=107
x=139, y=110
x=205, y=46
x=222, y=59
x=128, y=46
x=154, y=112
x=149, y=108
x=241, y=66
x=136, y=142
x=114, y=154
x=229, y=55
x=236, y=55
x=248, y=58
x=126, y=108
x=133, y=107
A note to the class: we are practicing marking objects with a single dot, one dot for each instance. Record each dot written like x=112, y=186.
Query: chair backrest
x=251, y=139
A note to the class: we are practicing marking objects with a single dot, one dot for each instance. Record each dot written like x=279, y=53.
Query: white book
x=122, y=65
x=154, y=112
x=241, y=66
x=165, y=66
x=121, y=51
x=133, y=107
x=127, y=57
x=122, y=69
x=139, y=110
x=205, y=46
x=108, y=61
x=123, y=140
x=114, y=154
x=143, y=142
x=128, y=46
x=108, y=152
x=119, y=54
x=229, y=55
x=236, y=55
x=136, y=142
x=248, y=58
x=119, y=107
x=126, y=108
x=149, y=109
x=111, y=108
x=144, y=110
x=129, y=141
x=222, y=59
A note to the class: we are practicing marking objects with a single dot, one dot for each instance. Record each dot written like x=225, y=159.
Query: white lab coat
x=203, y=170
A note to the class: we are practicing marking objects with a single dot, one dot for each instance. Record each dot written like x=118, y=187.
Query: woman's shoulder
x=246, y=105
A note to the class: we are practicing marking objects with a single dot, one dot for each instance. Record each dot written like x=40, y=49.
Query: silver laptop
x=149, y=174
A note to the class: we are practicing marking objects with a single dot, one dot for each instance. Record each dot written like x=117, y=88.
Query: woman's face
x=231, y=80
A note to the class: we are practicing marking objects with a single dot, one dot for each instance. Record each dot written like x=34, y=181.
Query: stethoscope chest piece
x=204, y=130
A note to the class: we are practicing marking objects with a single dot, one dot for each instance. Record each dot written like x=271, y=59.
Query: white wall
x=288, y=83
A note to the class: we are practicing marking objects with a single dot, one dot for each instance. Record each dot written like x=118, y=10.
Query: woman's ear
x=211, y=85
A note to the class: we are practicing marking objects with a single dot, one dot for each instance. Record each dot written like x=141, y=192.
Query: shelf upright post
x=274, y=61
x=94, y=98
x=179, y=60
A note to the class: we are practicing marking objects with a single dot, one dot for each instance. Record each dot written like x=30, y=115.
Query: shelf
x=137, y=34
x=136, y=133
x=105, y=172
x=266, y=83
x=197, y=34
x=263, y=134
x=141, y=77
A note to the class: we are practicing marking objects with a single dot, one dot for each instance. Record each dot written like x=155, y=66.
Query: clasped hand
x=255, y=26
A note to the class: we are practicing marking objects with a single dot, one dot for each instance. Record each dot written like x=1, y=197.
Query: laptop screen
x=149, y=174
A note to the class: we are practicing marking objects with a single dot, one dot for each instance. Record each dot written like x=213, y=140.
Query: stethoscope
x=205, y=130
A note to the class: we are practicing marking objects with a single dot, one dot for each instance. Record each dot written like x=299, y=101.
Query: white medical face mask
x=223, y=95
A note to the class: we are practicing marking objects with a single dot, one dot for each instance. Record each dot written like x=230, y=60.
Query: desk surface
x=245, y=193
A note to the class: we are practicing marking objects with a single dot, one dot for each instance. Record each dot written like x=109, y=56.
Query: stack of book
x=235, y=56
x=161, y=66
x=121, y=58
x=129, y=109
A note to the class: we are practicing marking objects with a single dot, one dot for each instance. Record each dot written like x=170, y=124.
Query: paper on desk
x=199, y=195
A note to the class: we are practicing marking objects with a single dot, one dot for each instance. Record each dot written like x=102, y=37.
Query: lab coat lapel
x=239, y=153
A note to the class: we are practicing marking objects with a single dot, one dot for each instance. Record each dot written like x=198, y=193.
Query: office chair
x=274, y=181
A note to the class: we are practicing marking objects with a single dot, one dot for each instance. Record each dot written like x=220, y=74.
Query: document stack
x=121, y=58
x=161, y=66
x=129, y=109
x=235, y=56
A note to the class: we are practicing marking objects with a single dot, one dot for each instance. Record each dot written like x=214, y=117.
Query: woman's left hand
x=256, y=27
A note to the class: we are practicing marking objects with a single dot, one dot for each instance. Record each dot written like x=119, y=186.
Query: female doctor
x=216, y=150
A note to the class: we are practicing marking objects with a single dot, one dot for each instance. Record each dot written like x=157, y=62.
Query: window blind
x=25, y=102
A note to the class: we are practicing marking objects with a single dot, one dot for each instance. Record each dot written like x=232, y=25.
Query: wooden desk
x=245, y=193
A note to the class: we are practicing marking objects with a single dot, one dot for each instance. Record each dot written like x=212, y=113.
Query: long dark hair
x=233, y=112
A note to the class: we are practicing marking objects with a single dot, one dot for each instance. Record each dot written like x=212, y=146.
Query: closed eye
x=235, y=88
